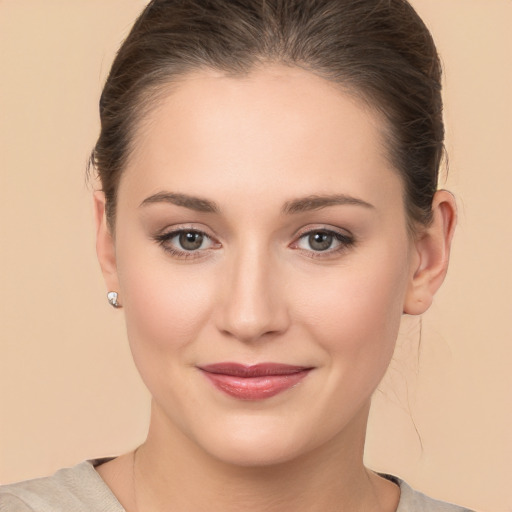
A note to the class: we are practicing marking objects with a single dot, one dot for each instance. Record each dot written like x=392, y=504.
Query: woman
x=268, y=212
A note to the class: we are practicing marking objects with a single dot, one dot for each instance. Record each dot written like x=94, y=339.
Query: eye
x=323, y=241
x=320, y=241
x=190, y=240
x=185, y=243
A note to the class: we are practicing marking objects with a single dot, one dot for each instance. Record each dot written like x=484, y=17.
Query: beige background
x=68, y=389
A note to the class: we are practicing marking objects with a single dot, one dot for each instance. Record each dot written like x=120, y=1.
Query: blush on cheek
x=163, y=309
x=357, y=316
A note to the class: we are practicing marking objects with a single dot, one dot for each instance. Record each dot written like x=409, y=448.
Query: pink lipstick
x=254, y=382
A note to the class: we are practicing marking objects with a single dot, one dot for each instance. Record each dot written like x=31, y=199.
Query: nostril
x=249, y=322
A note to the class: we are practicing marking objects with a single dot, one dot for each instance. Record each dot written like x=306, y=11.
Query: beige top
x=81, y=489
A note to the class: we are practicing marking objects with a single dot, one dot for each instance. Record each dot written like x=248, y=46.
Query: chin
x=254, y=453
x=251, y=441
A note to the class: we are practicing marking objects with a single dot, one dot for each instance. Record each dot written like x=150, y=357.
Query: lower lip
x=255, y=388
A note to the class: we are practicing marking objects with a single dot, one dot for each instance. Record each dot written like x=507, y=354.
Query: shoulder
x=414, y=501
x=79, y=488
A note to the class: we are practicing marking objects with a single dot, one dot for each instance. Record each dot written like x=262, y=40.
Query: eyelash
x=164, y=239
x=345, y=242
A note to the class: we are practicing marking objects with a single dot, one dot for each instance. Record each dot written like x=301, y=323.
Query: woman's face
x=259, y=221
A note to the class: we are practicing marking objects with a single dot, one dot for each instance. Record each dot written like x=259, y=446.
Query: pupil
x=320, y=241
x=191, y=241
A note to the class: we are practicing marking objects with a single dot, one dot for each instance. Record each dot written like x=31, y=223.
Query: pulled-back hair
x=379, y=50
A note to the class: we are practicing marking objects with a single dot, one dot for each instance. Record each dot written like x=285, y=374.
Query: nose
x=252, y=306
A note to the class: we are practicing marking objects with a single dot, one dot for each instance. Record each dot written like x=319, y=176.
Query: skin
x=257, y=291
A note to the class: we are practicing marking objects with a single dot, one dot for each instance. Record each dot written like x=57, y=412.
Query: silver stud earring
x=112, y=299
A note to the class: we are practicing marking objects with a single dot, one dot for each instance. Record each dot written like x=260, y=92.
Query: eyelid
x=165, y=235
x=344, y=238
x=322, y=227
x=187, y=226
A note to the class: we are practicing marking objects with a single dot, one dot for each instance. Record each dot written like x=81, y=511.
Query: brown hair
x=378, y=49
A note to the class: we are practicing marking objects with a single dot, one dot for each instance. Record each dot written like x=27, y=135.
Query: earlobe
x=105, y=246
x=431, y=255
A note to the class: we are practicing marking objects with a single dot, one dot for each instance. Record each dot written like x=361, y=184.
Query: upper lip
x=255, y=370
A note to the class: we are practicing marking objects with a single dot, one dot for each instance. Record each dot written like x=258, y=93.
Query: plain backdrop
x=442, y=418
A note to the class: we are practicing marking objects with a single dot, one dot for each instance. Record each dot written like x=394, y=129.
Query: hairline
x=162, y=84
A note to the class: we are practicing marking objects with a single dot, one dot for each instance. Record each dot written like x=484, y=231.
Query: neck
x=170, y=468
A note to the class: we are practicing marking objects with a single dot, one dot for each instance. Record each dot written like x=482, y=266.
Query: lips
x=255, y=382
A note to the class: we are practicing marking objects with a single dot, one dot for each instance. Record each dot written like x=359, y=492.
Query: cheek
x=355, y=315
x=165, y=305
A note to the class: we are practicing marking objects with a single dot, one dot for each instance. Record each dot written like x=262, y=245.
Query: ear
x=431, y=255
x=105, y=245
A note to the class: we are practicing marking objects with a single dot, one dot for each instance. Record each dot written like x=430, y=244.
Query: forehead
x=276, y=127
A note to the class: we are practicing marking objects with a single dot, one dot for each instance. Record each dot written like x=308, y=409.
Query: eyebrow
x=303, y=204
x=316, y=202
x=191, y=202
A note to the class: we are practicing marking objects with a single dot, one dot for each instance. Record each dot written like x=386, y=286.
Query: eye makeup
x=186, y=243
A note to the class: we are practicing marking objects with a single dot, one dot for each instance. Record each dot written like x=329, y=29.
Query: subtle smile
x=255, y=382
